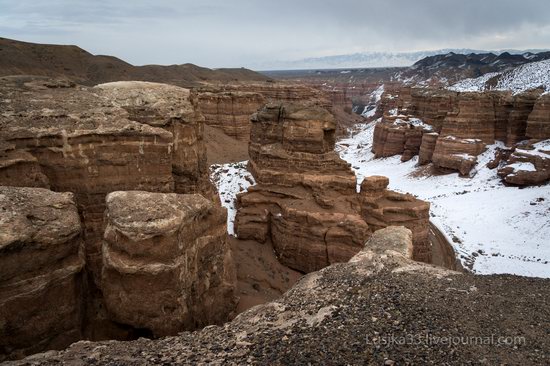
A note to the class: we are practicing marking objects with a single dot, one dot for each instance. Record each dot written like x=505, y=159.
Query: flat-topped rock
x=166, y=264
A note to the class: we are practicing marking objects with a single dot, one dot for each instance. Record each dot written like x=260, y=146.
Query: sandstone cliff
x=41, y=271
x=305, y=202
x=166, y=262
x=463, y=122
x=230, y=111
x=538, y=123
x=116, y=137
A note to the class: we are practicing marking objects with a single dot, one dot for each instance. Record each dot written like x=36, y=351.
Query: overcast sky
x=234, y=33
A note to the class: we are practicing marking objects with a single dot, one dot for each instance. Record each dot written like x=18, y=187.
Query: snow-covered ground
x=522, y=78
x=500, y=229
x=231, y=179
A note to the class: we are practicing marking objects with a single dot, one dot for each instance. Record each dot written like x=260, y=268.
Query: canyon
x=163, y=215
x=451, y=129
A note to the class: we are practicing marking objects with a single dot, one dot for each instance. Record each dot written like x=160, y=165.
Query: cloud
x=246, y=32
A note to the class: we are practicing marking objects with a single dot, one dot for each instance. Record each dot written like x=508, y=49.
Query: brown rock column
x=41, y=271
x=167, y=265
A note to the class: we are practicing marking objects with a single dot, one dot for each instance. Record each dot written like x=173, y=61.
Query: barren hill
x=22, y=58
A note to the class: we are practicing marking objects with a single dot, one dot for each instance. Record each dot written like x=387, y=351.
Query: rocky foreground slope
x=379, y=308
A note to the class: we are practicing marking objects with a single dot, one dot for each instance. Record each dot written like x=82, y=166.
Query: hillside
x=452, y=67
x=22, y=58
x=522, y=78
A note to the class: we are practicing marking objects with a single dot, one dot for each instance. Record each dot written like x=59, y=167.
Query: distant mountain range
x=373, y=59
x=452, y=67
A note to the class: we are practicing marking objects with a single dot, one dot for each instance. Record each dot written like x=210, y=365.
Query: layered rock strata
x=455, y=154
x=170, y=249
x=175, y=110
x=381, y=208
x=367, y=304
x=230, y=111
x=41, y=271
x=472, y=116
x=538, y=123
x=115, y=137
x=398, y=138
x=306, y=201
x=427, y=147
x=458, y=121
x=527, y=165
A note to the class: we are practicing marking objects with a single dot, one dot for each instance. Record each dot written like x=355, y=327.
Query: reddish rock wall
x=306, y=202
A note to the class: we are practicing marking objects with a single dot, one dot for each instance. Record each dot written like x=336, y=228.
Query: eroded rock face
x=20, y=168
x=230, y=111
x=114, y=137
x=538, y=123
x=330, y=314
x=86, y=145
x=456, y=154
x=175, y=110
x=306, y=201
x=166, y=264
x=427, y=147
x=230, y=106
x=472, y=116
x=41, y=271
x=381, y=208
x=527, y=165
x=397, y=138
x=522, y=106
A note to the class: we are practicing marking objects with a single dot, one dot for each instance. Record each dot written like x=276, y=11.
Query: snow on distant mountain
x=369, y=59
x=525, y=77
x=451, y=68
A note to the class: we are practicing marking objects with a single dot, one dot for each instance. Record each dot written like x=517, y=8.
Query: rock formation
x=361, y=312
x=230, y=106
x=399, y=137
x=230, y=111
x=427, y=147
x=114, y=137
x=462, y=124
x=166, y=264
x=41, y=271
x=460, y=155
x=527, y=165
x=538, y=123
x=381, y=208
x=175, y=110
x=472, y=116
x=305, y=201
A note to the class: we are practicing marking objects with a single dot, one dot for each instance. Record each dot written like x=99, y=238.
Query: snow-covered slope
x=494, y=229
x=522, y=78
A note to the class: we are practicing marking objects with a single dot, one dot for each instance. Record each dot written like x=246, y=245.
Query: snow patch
x=230, y=180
